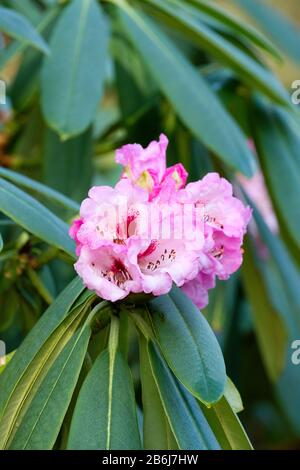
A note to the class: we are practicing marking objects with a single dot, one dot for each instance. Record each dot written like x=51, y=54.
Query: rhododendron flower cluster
x=152, y=229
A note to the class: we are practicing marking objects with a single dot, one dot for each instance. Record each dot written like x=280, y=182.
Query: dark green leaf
x=105, y=413
x=186, y=419
x=157, y=431
x=72, y=77
x=71, y=173
x=189, y=345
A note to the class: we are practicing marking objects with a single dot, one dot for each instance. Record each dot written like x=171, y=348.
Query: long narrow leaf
x=40, y=189
x=185, y=18
x=34, y=217
x=186, y=419
x=188, y=92
x=18, y=27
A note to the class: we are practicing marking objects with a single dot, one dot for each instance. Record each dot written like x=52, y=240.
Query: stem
x=123, y=335
x=113, y=336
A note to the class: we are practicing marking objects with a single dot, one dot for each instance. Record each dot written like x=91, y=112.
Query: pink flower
x=147, y=168
x=221, y=210
x=76, y=224
x=118, y=254
x=225, y=219
x=150, y=230
x=197, y=289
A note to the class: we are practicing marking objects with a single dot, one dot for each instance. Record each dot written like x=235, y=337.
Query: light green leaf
x=186, y=419
x=1, y=243
x=41, y=423
x=189, y=345
x=184, y=18
x=192, y=98
x=28, y=383
x=105, y=413
x=34, y=217
x=72, y=77
x=53, y=316
x=157, y=432
x=18, y=27
x=39, y=285
x=233, y=396
x=226, y=426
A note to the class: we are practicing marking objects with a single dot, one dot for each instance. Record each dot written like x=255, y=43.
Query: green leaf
x=189, y=345
x=235, y=24
x=233, y=396
x=105, y=413
x=39, y=285
x=29, y=382
x=53, y=316
x=157, y=432
x=284, y=266
x=192, y=98
x=34, y=217
x=18, y=27
x=16, y=47
x=1, y=243
x=186, y=419
x=72, y=77
x=255, y=75
x=71, y=173
x=226, y=426
x=41, y=423
x=26, y=8
x=269, y=326
x=40, y=189
x=281, y=30
x=277, y=144
x=284, y=299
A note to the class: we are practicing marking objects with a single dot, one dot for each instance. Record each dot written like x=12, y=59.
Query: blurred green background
x=208, y=81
